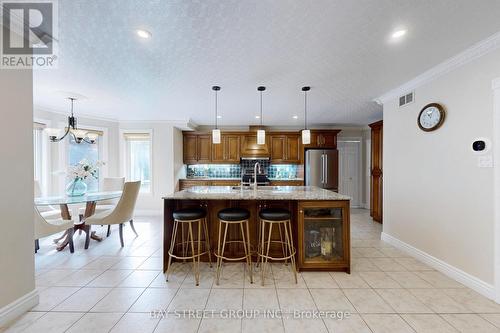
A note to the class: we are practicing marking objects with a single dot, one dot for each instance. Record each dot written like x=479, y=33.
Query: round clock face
x=431, y=117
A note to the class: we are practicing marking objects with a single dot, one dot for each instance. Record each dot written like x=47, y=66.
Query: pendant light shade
x=261, y=137
x=261, y=134
x=306, y=137
x=306, y=134
x=216, y=137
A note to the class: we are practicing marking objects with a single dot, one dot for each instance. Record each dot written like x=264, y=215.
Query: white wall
x=165, y=162
x=436, y=199
x=16, y=196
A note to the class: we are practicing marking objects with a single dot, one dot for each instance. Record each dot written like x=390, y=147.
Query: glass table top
x=65, y=200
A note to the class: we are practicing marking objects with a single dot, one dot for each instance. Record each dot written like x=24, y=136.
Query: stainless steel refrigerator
x=322, y=168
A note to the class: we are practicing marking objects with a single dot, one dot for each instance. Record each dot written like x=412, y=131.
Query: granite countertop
x=238, y=179
x=262, y=193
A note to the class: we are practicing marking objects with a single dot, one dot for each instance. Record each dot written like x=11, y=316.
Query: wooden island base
x=320, y=228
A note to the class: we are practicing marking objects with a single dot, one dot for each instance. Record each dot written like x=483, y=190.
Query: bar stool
x=188, y=217
x=233, y=216
x=281, y=218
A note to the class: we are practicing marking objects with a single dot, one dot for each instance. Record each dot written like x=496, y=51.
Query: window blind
x=38, y=126
x=137, y=136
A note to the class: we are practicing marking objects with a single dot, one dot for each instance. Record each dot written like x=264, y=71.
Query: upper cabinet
x=250, y=148
x=280, y=147
x=285, y=148
x=228, y=151
x=323, y=139
x=197, y=148
x=204, y=148
x=189, y=148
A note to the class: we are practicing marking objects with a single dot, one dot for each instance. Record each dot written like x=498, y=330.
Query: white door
x=349, y=170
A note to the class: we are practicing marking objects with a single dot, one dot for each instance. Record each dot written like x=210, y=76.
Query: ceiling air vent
x=406, y=99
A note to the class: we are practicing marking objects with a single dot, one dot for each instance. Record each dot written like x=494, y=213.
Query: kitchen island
x=320, y=220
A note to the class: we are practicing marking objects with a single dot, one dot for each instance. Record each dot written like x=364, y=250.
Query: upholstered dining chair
x=46, y=227
x=45, y=211
x=108, y=184
x=122, y=213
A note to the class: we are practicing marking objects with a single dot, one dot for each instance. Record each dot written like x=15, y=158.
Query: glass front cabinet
x=324, y=236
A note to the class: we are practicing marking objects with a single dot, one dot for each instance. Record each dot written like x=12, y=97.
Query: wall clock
x=431, y=117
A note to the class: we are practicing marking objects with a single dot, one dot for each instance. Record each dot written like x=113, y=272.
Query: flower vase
x=76, y=188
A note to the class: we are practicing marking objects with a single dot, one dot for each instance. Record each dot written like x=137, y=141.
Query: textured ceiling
x=339, y=48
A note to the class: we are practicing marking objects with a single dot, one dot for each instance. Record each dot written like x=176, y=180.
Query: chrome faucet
x=256, y=168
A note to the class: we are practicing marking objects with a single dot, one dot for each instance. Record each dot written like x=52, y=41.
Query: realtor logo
x=29, y=34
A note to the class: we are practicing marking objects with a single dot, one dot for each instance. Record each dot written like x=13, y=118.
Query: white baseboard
x=15, y=309
x=478, y=285
x=148, y=212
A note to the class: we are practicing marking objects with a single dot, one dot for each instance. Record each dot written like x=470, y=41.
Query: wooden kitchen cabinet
x=228, y=151
x=278, y=148
x=324, y=235
x=285, y=148
x=186, y=183
x=189, y=149
x=204, y=148
x=293, y=149
x=323, y=139
x=376, y=173
x=197, y=148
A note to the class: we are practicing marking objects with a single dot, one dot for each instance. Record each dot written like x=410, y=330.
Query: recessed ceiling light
x=144, y=33
x=257, y=117
x=398, y=33
x=295, y=117
x=219, y=117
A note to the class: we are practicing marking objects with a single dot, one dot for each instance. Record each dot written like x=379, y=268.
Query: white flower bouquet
x=77, y=173
x=84, y=169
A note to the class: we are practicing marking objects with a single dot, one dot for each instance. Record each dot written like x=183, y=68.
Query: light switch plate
x=485, y=161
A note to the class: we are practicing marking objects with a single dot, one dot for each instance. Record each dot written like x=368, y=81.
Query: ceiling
x=340, y=48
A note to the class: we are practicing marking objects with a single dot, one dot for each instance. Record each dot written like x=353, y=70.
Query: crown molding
x=477, y=50
x=78, y=114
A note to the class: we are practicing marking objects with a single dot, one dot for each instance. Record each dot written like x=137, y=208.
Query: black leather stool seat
x=275, y=214
x=189, y=214
x=234, y=214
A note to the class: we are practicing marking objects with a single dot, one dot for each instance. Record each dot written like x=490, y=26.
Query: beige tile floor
x=112, y=289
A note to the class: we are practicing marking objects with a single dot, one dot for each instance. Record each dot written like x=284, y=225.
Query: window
x=138, y=159
x=85, y=151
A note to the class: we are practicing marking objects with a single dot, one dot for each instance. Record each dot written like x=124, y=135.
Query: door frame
x=496, y=171
x=359, y=141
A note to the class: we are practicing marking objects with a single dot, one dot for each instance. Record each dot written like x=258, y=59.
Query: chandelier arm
x=62, y=137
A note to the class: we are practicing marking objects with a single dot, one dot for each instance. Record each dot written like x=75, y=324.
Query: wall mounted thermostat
x=481, y=146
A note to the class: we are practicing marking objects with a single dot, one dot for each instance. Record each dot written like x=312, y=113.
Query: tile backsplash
x=274, y=171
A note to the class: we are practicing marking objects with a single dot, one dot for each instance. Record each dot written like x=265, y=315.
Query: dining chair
x=46, y=227
x=108, y=184
x=122, y=213
x=45, y=211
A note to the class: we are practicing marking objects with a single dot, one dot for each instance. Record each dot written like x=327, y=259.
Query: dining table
x=90, y=200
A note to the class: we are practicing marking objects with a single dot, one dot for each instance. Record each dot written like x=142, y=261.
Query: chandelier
x=78, y=135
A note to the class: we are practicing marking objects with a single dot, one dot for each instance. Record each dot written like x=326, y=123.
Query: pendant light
x=261, y=134
x=216, y=131
x=79, y=135
x=306, y=134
